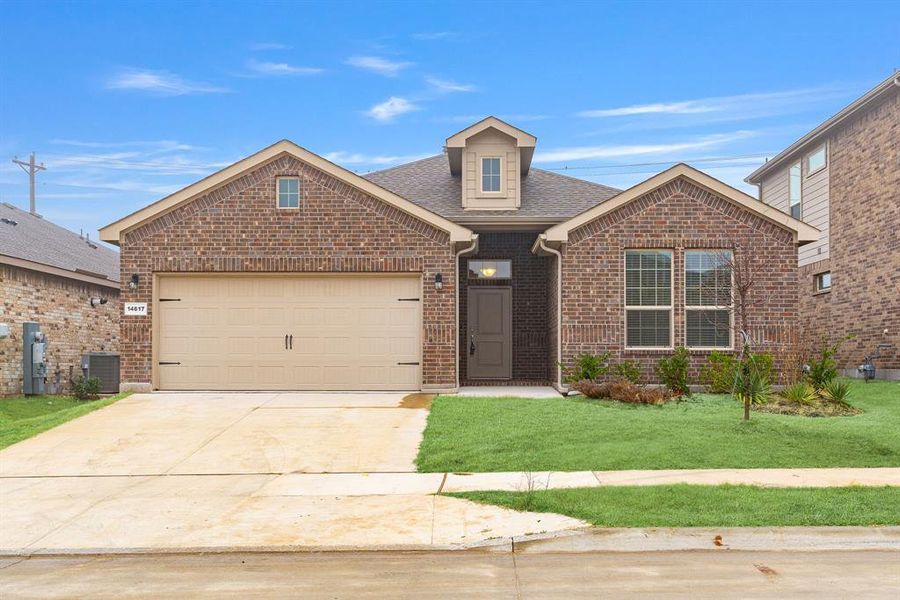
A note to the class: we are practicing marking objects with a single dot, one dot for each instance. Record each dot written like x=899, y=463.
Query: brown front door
x=490, y=333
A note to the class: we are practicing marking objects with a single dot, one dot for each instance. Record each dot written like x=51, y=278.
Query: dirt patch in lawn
x=818, y=408
x=417, y=401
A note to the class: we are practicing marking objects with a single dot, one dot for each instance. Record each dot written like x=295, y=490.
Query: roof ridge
x=93, y=244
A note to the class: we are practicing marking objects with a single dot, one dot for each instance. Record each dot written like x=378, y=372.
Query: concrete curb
x=592, y=539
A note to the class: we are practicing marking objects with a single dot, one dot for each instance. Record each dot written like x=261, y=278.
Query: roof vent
x=8, y=221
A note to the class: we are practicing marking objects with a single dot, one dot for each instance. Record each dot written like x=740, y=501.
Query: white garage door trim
x=317, y=375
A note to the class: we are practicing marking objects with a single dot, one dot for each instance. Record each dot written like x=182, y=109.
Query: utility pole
x=31, y=168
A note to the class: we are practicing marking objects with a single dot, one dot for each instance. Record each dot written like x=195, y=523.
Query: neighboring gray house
x=49, y=274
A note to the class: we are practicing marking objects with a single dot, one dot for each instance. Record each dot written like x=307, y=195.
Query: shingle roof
x=428, y=183
x=40, y=241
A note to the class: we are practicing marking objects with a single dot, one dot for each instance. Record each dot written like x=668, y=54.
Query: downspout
x=472, y=247
x=541, y=239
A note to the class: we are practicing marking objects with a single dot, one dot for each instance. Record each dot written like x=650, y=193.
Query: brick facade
x=62, y=307
x=864, y=301
x=237, y=228
x=678, y=216
x=529, y=303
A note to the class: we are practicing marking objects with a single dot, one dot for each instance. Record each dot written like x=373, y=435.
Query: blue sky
x=126, y=102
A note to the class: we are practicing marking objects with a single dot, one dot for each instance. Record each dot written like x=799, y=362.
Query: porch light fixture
x=438, y=281
x=489, y=269
x=134, y=281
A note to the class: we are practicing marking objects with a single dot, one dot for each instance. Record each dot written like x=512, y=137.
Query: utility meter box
x=34, y=359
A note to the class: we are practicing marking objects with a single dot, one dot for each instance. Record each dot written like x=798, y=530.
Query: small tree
x=751, y=384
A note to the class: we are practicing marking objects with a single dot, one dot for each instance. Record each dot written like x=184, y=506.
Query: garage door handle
x=407, y=363
x=285, y=341
x=292, y=342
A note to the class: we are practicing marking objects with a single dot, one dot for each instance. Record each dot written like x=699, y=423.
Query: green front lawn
x=708, y=506
x=706, y=431
x=24, y=417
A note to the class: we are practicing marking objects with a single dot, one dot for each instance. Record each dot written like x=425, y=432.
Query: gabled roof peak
x=523, y=138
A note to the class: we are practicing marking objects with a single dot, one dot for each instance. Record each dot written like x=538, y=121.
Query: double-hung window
x=490, y=174
x=648, y=298
x=707, y=299
x=794, y=190
x=288, y=192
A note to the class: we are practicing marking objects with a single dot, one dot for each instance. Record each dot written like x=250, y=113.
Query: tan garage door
x=330, y=332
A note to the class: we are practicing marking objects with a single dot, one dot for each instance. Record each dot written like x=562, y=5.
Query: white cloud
x=343, y=157
x=760, y=104
x=379, y=65
x=152, y=145
x=391, y=108
x=258, y=47
x=429, y=36
x=280, y=69
x=626, y=150
x=679, y=108
x=445, y=86
x=162, y=83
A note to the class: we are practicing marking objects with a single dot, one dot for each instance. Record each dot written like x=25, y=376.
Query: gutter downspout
x=473, y=247
x=541, y=243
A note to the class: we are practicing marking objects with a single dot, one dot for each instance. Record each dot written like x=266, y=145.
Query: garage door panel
x=349, y=332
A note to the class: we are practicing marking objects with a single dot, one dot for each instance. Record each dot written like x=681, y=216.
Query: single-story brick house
x=286, y=271
x=49, y=274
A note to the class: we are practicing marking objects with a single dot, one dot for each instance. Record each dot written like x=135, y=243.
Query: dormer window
x=490, y=174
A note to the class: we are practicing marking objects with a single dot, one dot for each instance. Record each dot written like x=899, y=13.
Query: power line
x=652, y=164
x=31, y=168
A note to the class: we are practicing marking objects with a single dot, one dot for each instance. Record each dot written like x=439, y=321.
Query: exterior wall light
x=438, y=281
x=95, y=302
x=134, y=281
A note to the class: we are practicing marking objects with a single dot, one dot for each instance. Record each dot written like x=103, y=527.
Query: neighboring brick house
x=844, y=179
x=49, y=275
x=285, y=271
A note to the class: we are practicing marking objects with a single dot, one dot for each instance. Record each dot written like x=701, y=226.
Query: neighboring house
x=49, y=275
x=285, y=271
x=843, y=178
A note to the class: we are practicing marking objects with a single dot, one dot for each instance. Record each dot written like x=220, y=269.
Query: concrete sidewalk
x=377, y=575
x=710, y=574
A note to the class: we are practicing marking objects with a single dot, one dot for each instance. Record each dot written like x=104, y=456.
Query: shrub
x=86, y=389
x=591, y=389
x=751, y=387
x=626, y=391
x=673, y=371
x=763, y=363
x=629, y=371
x=588, y=366
x=801, y=393
x=836, y=391
x=718, y=372
x=823, y=370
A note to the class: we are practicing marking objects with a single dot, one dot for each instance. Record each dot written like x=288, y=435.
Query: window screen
x=707, y=298
x=648, y=298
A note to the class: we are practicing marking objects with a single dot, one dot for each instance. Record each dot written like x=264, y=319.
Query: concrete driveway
x=202, y=471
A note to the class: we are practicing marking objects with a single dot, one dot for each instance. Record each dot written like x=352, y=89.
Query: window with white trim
x=794, y=189
x=823, y=281
x=816, y=160
x=708, y=307
x=490, y=174
x=648, y=298
x=288, y=192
